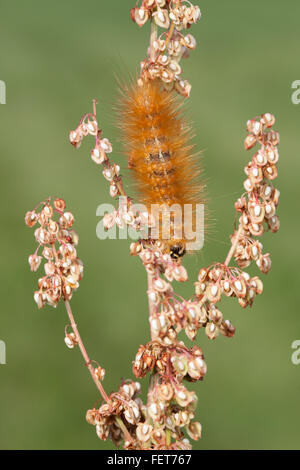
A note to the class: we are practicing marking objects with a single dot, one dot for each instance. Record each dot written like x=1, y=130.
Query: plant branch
x=233, y=246
x=84, y=352
x=150, y=301
x=153, y=37
x=91, y=369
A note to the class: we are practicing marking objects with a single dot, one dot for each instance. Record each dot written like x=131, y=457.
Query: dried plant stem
x=88, y=363
x=119, y=185
x=171, y=30
x=233, y=246
x=153, y=37
x=150, y=301
x=84, y=352
x=170, y=34
x=126, y=433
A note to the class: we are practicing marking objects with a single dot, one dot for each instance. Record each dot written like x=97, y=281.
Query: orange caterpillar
x=157, y=144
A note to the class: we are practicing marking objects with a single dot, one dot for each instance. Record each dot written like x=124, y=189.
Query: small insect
x=157, y=141
x=177, y=251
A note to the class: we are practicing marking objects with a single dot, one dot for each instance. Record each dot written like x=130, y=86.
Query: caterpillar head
x=177, y=251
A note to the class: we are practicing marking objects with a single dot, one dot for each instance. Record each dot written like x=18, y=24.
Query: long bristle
x=157, y=143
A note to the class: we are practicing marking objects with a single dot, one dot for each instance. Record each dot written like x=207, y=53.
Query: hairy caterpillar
x=158, y=146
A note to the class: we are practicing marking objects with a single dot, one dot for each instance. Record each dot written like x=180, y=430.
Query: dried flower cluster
x=125, y=213
x=258, y=206
x=63, y=269
x=170, y=407
x=167, y=419
x=167, y=49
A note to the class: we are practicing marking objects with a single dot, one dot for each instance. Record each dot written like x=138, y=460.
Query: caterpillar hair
x=157, y=143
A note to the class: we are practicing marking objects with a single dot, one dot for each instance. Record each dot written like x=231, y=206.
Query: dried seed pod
x=215, y=315
x=254, y=127
x=66, y=220
x=175, y=67
x=271, y=154
x=98, y=155
x=211, y=330
x=257, y=285
x=275, y=197
x=241, y=204
x=248, y=185
x=75, y=137
x=194, y=430
x=274, y=223
x=180, y=273
x=267, y=119
x=34, y=262
x=91, y=415
x=256, y=229
x=141, y=15
x=158, y=437
x=260, y=158
x=270, y=209
x=191, y=332
x=100, y=373
x=105, y=145
x=31, y=218
x=161, y=18
x=102, y=431
x=183, y=87
x=144, y=431
x=255, y=174
x=257, y=212
x=71, y=340
x=42, y=236
x=160, y=285
x=250, y=141
x=165, y=392
x=266, y=191
x=226, y=286
x=264, y=263
x=166, y=75
x=183, y=396
x=239, y=287
x=270, y=172
x=213, y=292
x=180, y=365
x=189, y=41
x=227, y=329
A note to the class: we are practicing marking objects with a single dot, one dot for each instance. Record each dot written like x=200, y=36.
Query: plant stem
x=233, y=246
x=84, y=352
x=150, y=301
x=168, y=437
x=91, y=369
x=170, y=34
x=153, y=37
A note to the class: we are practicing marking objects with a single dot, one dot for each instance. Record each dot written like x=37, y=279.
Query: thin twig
x=233, y=246
x=150, y=301
x=153, y=37
x=84, y=353
x=127, y=435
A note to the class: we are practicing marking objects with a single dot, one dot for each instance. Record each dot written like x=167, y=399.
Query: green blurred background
x=55, y=57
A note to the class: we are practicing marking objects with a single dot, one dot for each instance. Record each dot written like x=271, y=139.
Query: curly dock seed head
x=166, y=419
x=57, y=241
x=167, y=49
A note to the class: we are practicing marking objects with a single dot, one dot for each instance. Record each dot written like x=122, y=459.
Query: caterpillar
x=157, y=143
